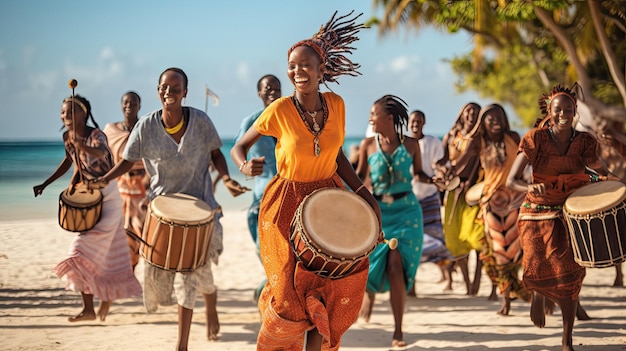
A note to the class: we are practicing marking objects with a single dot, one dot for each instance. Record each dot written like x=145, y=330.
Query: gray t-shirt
x=176, y=168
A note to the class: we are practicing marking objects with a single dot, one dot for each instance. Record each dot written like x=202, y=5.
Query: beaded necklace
x=315, y=129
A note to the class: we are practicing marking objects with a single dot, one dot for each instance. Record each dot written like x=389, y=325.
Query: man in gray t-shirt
x=178, y=145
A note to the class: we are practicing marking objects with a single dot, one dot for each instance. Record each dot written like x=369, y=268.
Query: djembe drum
x=332, y=231
x=80, y=210
x=596, y=217
x=177, y=232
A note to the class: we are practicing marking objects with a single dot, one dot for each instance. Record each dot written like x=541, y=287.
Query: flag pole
x=206, y=98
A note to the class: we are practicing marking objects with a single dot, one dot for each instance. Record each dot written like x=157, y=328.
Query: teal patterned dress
x=402, y=217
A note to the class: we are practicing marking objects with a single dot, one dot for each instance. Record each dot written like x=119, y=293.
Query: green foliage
x=524, y=56
x=511, y=80
x=516, y=11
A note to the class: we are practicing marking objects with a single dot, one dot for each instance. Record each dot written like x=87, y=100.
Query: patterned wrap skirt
x=295, y=300
x=548, y=259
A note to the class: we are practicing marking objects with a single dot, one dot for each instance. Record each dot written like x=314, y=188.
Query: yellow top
x=295, y=156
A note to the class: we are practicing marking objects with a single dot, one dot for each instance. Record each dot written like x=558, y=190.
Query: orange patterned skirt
x=295, y=300
x=548, y=259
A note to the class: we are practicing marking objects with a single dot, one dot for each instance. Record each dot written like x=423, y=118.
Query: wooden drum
x=80, y=211
x=473, y=194
x=596, y=217
x=177, y=232
x=332, y=230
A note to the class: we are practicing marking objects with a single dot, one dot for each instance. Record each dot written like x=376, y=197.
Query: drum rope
x=183, y=245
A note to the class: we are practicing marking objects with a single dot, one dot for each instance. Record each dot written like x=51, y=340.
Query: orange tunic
x=294, y=299
x=548, y=259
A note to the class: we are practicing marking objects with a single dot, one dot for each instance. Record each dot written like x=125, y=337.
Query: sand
x=34, y=307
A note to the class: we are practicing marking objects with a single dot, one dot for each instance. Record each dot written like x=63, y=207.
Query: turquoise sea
x=25, y=164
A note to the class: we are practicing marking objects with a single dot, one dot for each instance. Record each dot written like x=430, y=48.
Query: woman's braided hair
x=84, y=105
x=332, y=43
x=398, y=108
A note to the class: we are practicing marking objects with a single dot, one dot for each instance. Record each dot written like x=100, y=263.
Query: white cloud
x=106, y=68
x=106, y=54
x=242, y=73
x=400, y=65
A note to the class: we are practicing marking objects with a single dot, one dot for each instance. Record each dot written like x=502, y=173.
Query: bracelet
x=242, y=165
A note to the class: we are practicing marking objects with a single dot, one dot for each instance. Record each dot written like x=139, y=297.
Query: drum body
x=177, y=232
x=473, y=194
x=332, y=230
x=80, y=211
x=596, y=217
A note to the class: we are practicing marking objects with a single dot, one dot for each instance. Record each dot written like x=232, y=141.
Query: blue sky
x=114, y=46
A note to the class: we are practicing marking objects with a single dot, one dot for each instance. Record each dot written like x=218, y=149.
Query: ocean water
x=26, y=164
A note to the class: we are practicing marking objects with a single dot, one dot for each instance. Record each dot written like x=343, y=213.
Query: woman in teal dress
x=389, y=156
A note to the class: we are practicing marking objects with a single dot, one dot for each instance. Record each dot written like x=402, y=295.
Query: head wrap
x=545, y=101
x=332, y=43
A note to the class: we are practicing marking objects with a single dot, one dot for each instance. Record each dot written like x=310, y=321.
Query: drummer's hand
x=537, y=189
x=234, y=187
x=38, y=189
x=97, y=183
x=71, y=189
x=440, y=172
x=253, y=167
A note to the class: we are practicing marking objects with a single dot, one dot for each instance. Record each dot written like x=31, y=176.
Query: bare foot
x=103, y=309
x=581, y=314
x=619, y=277
x=213, y=325
x=475, y=285
x=443, y=268
x=450, y=268
x=537, y=311
x=212, y=320
x=366, y=307
x=494, y=293
x=412, y=291
x=397, y=343
x=506, y=306
x=549, y=307
x=83, y=316
x=443, y=275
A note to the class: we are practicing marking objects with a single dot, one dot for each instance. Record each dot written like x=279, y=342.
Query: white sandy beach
x=34, y=307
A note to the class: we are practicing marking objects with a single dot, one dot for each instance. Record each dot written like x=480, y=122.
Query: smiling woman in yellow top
x=309, y=127
x=295, y=152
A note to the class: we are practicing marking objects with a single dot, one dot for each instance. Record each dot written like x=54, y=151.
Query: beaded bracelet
x=242, y=165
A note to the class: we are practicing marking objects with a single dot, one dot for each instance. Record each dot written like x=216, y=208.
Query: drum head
x=596, y=197
x=453, y=183
x=340, y=222
x=473, y=194
x=82, y=197
x=181, y=208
